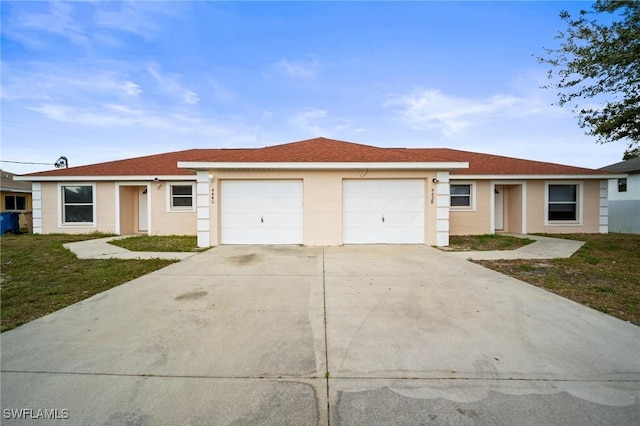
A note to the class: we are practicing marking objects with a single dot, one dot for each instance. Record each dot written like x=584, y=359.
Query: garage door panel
x=238, y=219
x=282, y=220
x=400, y=202
x=261, y=212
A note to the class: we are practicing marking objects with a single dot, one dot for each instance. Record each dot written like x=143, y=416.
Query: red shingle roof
x=488, y=164
x=158, y=164
x=320, y=150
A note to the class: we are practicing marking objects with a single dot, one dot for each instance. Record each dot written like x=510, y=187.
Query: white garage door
x=383, y=211
x=261, y=211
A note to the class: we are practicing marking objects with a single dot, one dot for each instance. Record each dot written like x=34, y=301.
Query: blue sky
x=98, y=81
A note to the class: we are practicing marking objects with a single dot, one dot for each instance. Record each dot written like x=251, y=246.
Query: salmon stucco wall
x=513, y=208
x=167, y=222
x=478, y=221
x=322, y=200
x=473, y=221
x=537, y=210
x=104, y=199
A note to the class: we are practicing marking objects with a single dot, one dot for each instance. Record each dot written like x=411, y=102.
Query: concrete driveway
x=245, y=335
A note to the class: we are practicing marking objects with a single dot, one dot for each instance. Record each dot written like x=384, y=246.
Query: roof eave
x=538, y=177
x=105, y=178
x=204, y=165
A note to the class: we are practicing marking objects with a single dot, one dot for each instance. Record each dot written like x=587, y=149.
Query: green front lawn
x=40, y=276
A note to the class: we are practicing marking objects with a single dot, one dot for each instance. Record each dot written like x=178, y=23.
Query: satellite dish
x=62, y=162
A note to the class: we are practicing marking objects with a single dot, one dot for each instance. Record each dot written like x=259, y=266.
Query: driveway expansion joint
x=168, y=376
x=326, y=341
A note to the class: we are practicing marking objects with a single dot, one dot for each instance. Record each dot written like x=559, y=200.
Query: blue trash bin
x=9, y=222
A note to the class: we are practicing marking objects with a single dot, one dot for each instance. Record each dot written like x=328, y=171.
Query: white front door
x=261, y=211
x=143, y=206
x=499, y=208
x=387, y=211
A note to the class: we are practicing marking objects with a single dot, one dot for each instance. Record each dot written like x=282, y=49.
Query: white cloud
x=90, y=24
x=46, y=81
x=307, y=121
x=220, y=92
x=170, y=83
x=318, y=122
x=301, y=70
x=431, y=108
x=117, y=115
x=127, y=18
x=59, y=21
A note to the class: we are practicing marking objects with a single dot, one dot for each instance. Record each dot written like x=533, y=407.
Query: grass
x=604, y=274
x=39, y=276
x=179, y=243
x=485, y=242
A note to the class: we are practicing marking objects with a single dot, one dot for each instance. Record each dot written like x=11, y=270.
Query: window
x=461, y=196
x=77, y=204
x=622, y=185
x=181, y=197
x=562, y=203
x=15, y=202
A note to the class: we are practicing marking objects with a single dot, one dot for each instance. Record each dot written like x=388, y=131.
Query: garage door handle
x=262, y=220
x=382, y=218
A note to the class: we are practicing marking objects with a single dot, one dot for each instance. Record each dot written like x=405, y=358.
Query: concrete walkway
x=101, y=249
x=542, y=248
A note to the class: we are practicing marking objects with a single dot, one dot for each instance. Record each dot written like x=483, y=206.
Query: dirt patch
x=487, y=242
x=192, y=295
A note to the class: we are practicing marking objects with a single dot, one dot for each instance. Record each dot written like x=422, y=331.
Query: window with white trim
x=622, y=185
x=562, y=204
x=181, y=196
x=15, y=202
x=77, y=204
x=461, y=196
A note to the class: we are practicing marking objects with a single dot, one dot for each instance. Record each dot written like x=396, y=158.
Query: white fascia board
x=532, y=177
x=197, y=165
x=105, y=178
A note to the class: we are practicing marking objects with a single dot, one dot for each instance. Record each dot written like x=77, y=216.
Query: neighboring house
x=624, y=197
x=15, y=197
x=320, y=192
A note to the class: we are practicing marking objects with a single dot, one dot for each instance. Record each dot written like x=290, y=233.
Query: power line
x=26, y=162
x=60, y=162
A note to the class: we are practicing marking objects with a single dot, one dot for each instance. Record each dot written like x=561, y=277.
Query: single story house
x=15, y=196
x=320, y=192
x=624, y=197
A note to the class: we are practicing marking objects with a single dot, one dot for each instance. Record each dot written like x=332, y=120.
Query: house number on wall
x=213, y=196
